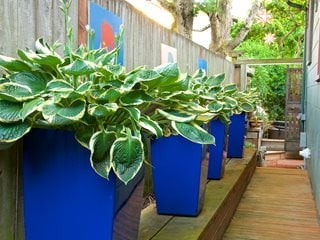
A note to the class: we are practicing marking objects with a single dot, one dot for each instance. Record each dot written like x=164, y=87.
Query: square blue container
x=236, y=136
x=179, y=171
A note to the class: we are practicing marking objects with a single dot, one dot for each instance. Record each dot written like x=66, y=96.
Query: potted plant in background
x=236, y=130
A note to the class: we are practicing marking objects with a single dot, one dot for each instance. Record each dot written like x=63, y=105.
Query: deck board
x=278, y=204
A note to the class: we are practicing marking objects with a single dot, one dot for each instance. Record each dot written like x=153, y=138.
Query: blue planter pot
x=236, y=136
x=216, y=159
x=179, y=171
x=63, y=197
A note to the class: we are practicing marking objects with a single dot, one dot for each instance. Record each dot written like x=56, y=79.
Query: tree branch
x=202, y=29
x=246, y=28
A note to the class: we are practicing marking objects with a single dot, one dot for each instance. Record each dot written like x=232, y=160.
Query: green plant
x=110, y=110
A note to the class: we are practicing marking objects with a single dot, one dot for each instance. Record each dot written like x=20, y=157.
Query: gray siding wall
x=312, y=102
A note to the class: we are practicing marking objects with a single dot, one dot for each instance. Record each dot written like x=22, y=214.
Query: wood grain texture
x=278, y=204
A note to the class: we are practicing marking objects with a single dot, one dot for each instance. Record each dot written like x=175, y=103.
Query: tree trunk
x=182, y=11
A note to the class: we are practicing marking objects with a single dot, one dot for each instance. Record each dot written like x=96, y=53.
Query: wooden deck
x=278, y=204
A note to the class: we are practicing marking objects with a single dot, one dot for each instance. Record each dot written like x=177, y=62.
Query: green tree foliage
x=287, y=27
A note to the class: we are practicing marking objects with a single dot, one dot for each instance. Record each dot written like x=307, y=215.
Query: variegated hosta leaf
x=186, y=96
x=110, y=95
x=230, y=88
x=83, y=135
x=134, y=113
x=215, y=80
x=247, y=107
x=134, y=98
x=59, y=86
x=79, y=67
x=231, y=101
x=169, y=75
x=142, y=76
x=98, y=110
x=13, y=64
x=22, y=86
x=152, y=126
x=43, y=59
x=109, y=70
x=30, y=107
x=10, y=111
x=16, y=92
x=193, y=132
x=84, y=87
x=58, y=114
x=176, y=115
x=215, y=90
x=206, y=117
x=215, y=106
x=127, y=156
x=100, y=144
x=11, y=132
x=193, y=107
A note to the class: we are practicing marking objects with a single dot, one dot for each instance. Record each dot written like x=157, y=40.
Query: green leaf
x=11, y=132
x=215, y=106
x=100, y=111
x=169, y=75
x=100, y=144
x=83, y=135
x=30, y=107
x=59, y=86
x=84, y=87
x=152, y=126
x=16, y=92
x=135, y=98
x=247, y=107
x=79, y=67
x=230, y=88
x=134, y=113
x=10, y=111
x=215, y=80
x=127, y=156
x=231, y=101
x=13, y=64
x=176, y=115
x=193, y=132
x=59, y=114
x=42, y=47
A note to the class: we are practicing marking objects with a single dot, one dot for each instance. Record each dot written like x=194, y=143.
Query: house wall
x=312, y=105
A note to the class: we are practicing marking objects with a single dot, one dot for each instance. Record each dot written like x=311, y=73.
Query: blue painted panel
x=216, y=161
x=176, y=174
x=63, y=197
x=236, y=136
x=106, y=26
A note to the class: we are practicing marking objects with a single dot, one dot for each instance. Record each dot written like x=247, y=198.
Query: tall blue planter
x=236, y=136
x=216, y=159
x=179, y=171
x=63, y=197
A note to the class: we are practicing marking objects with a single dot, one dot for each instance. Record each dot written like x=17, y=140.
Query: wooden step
x=273, y=144
x=221, y=199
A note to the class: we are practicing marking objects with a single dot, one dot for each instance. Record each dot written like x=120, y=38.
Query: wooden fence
x=22, y=22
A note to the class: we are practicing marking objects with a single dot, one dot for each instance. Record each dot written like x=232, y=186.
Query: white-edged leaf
x=10, y=111
x=193, y=132
x=176, y=115
x=59, y=86
x=30, y=107
x=100, y=144
x=152, y=126
x=11, y=132
x=127, y=156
